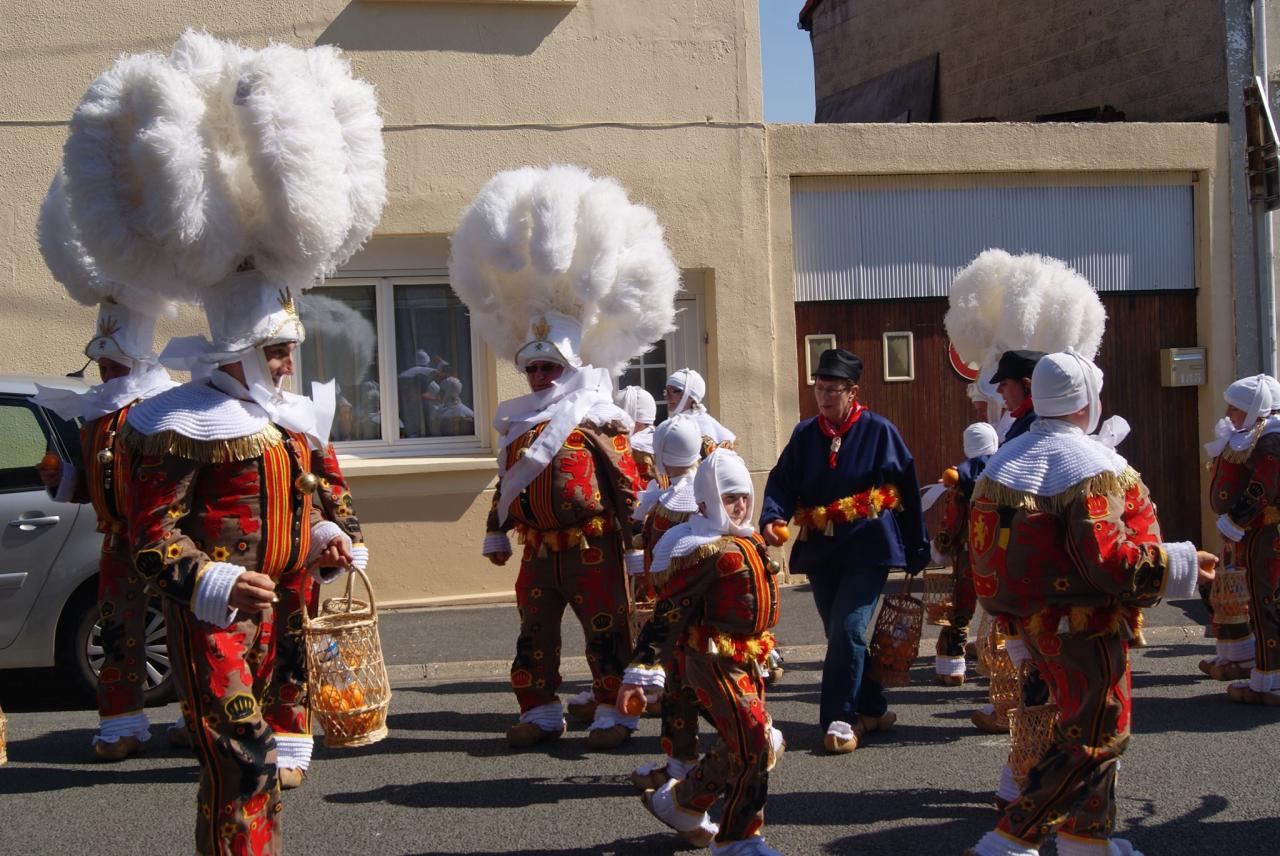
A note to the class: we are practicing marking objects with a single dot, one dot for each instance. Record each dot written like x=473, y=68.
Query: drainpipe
x=1262, y=224
x=1243, y=225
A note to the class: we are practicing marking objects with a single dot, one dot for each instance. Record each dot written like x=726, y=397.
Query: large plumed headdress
x=1002, y=302
x=225, y=176
x=558, y=265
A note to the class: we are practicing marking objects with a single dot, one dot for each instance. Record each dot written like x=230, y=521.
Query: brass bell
x=306, y=483
x=637, y=541
x=775, y=567
x=105, y=457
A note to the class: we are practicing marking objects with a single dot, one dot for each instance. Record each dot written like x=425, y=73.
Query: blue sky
x=787, y=61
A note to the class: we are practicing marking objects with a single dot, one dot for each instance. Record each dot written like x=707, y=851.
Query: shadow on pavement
x=650, y=845
x=491, y=793
x=961, y=818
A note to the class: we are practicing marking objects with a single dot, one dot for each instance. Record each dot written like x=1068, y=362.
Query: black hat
x=1015, y=365
x=837, y=362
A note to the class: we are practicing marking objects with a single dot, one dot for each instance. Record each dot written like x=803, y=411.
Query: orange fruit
x=950, y=476
x=635, y=705
x=781, y=532
x=50, y=461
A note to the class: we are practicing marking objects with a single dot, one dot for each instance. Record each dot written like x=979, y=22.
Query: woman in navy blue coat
x=849, y=482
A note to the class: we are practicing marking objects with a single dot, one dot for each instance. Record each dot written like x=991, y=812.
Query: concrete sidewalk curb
x=574, y=666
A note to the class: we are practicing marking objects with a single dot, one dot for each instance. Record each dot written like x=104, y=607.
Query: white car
x=49, y=555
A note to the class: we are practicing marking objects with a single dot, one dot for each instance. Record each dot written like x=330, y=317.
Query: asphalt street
x=1200, y=776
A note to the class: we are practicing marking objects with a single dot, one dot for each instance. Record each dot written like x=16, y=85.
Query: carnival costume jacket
x=872, y=464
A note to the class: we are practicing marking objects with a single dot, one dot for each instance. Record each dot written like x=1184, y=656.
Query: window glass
x=649, y=371
x=434, y=374
x=342, y=345
x=22, y=445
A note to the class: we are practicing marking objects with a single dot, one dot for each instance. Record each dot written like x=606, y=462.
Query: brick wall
x=1154, y=60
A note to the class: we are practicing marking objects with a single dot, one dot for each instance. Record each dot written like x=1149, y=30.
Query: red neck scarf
x=830, y=429
x=1022, y=409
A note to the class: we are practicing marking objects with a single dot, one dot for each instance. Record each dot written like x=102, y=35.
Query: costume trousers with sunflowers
x=679, y=712
x=591, y=582
x=122, y=609
x=239, y=686
x=1072, y=788
x=736, y=767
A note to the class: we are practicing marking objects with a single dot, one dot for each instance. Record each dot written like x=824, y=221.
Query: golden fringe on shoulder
x=201, y=451
x=680, y=563
x=1103, y=484
x=1239, y=457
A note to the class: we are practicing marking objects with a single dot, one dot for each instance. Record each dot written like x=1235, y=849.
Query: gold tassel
x=679, y=563
x=201, y=451
x=1102, y=484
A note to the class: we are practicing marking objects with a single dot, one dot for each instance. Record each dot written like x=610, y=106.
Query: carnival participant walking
x=1244, y=493
x=643, y=410
x=951, y=546
x=122, y=348
x=686, y=392
x=272, y=161
x=849, y=482
x=717, y=603
x=569, y=295
x=1066, y=547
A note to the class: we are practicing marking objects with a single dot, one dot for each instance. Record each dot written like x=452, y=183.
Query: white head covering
x=553, y=338
x=677, y=442
x=980, y=439
x=722, y=472
x=1064, y=383
x=1274, y=386
x=693, y=389
x=1253, y=396
x=638, y=404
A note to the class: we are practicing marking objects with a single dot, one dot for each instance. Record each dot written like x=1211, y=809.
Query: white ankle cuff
x=548, y=717
x=293, y=751
x=1008, y=788
x=995, y=844
x=949, y=666
x=136, y=725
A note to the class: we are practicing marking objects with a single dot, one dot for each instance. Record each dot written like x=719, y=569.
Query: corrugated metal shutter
x=861, y=238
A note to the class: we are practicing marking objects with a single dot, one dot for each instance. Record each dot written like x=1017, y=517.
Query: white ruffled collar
x=1226, y=435
x=642, y=441
x=1050, y=458
x=147, y=379
x=199, y=411
x=679, y=497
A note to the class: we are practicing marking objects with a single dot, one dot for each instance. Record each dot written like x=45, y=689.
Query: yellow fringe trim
x=201, y=451
x=1103, y=484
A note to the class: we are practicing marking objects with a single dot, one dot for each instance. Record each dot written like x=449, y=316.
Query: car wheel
x=83, y=654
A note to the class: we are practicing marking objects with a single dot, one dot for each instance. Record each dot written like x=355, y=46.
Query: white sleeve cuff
x=66, y=484
x=1183, y=572
x=641, y=676
x=634, y=562
x=321, y=534
x=360, y=557
x=1229, y=530
x=937, y=557
x=496, y=543
x=213, y=590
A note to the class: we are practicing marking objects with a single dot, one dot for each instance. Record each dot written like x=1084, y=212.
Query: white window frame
x=910, y=339
x=827, y=340
x=392, y=445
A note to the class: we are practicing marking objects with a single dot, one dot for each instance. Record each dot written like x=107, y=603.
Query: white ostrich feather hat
x=555, y=263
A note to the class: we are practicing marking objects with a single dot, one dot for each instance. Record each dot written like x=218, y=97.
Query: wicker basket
x=4, y=739
x=346, y=675
x=990, y=643
x=896, y=639
x=1229, y=596
x=1005, y=689
x=1031, y=735
x=939, y=597
x=641, y=601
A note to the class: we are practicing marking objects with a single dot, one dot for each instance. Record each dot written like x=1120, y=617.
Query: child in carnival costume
x=950, y=546
x=1066, y=548
x=685, y=392
x=718, y=603
x=567, y=278
x=122, y=348
x=1245, y=492
x=262, y=171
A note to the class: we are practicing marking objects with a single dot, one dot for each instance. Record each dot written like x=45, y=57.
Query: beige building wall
x=666, y=95
x=1011, y=60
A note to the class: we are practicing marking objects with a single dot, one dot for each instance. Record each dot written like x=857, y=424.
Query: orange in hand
x=635, y=705
x=781, y=532
x=50, y=461
x=950, y=476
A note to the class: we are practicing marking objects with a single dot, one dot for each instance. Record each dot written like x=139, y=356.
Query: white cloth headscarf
x=638, y=404
x=1256, y=396
x=1253, y=396
x=677, y=442
x=722, y=472
x=980, y=439
x=578, y=395
x=1069, y=382
x=145, y=379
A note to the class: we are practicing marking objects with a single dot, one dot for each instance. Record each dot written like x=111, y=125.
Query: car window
x=22, y=445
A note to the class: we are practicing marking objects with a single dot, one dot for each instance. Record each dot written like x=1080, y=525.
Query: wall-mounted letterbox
x=1182, y=366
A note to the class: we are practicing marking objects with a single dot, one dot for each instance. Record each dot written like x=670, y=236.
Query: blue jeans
x=846, y=599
